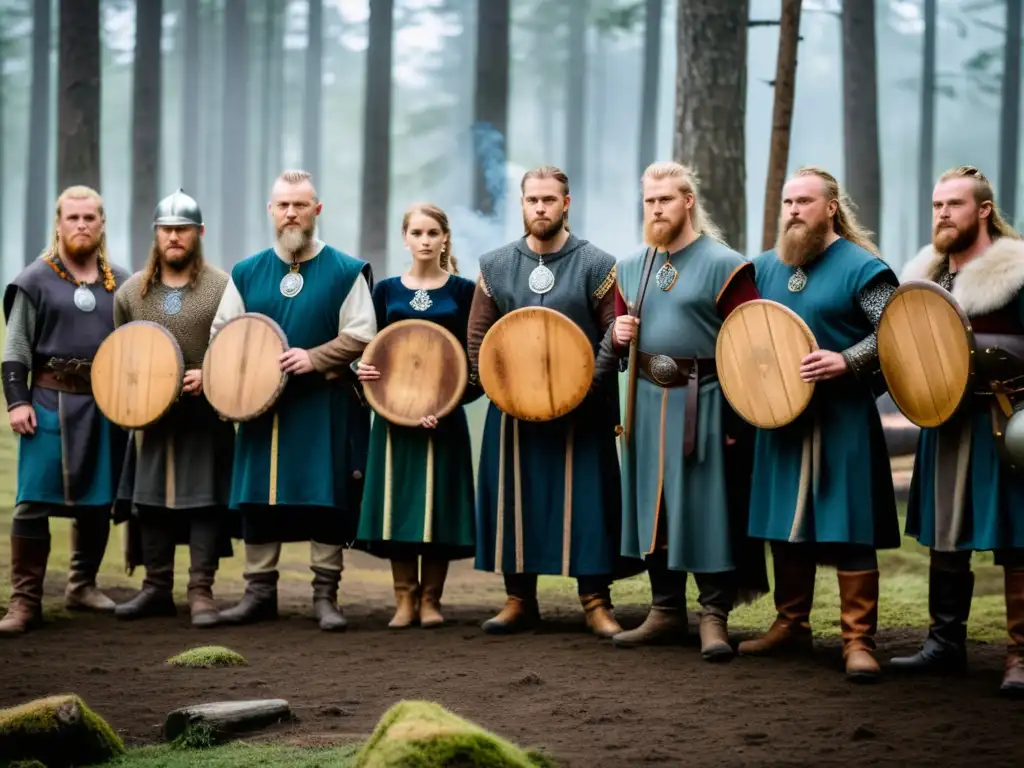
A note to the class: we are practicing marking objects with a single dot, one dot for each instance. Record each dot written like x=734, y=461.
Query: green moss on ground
x=422, y=734
x=238, y=755
x=57, y=731
x=208, y=657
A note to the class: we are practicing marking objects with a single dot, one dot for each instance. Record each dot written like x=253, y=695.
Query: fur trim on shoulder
x=986, y=284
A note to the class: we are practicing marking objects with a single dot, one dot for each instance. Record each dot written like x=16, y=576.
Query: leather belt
x=64, y=375
x=669, y=372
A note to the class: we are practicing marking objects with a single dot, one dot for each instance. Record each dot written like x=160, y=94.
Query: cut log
x=57, y=731
x=227, y=717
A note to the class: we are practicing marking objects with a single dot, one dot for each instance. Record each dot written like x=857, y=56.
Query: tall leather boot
x=434, y=574
x=521, y=611
x=89, y=536
x=1013, y=678
x=407, y=593
x=259, y=603
x=949, y=606
x=858, y=596
x=325, y=599
x=666, y=622
x=156, y=598
x=794, y=596
x=205, y=559
x=28, y=570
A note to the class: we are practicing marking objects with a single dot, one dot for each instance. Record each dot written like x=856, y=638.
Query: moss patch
x=421, y=734
x=57, y=731
x=208, y=657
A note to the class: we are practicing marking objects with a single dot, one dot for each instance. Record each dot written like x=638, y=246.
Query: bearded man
x=298, y=468
x=565, y=470
x=684, y=499
x=822, y=489
x=177, y=475
x=58, y=312
x=966, y=495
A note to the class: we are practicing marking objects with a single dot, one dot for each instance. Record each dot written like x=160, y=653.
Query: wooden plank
x=226, y=717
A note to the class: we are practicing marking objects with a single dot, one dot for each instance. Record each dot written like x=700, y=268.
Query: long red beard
x=799, y=243
x=664, y=235
x=949, y=239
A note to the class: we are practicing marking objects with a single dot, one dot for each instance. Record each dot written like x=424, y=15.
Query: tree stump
x=57, y=731
x=226, y=717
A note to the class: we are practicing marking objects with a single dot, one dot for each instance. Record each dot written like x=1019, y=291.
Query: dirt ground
x=559, y=688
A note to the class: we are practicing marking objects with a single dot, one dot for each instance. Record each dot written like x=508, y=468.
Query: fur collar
x=986, y=284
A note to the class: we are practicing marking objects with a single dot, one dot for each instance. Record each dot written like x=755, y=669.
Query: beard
x=799, y=242
x=544, y=229
x=78, y=249
x=178, y=261
x=948, y=238
x=293, y=240
x=660, y=233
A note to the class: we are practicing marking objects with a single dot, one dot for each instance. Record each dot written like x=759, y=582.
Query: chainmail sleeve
x=17, y=353
x=862, y=357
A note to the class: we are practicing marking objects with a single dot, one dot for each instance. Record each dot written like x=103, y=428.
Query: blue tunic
x=826, y=476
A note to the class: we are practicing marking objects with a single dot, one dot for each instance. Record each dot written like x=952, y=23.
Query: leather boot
x=949, y=605
x=1013, y=678
x=407, y=593
x=794, y=596
x=156, y=597
x=89, y=536
x=204, y=554
x=325, y=599
x=666, y=622
x=858, y=596
x=714, y=637
x=434, y=574
x=28, y=569
x=598, y=610
x=521, y=611
x=259, y=603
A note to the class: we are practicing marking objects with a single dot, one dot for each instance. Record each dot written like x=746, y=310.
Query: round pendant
x=542, y=279
x=84, y=299
x=798, y=281
x=291, y=284
x=421, y=301
x=172, y=303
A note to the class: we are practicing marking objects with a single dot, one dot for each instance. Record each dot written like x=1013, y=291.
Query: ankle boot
x=89, y=536
x=157, y=595
x=949, y=605
x=325, y=599
x=858, y=595
x=598, y=611
x=407, y=592
x=434, y=574
x=794, y=596
x=1013, y=678
x=259, y=603
x=714, y=637
x=666, y=622
x=28, y=570
x=521, y=611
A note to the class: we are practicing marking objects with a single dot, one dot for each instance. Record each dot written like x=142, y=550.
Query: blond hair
x=297, y=176
x=689, y=184
x=82, y=192
x=448, y=261
x=998, y=226
x=549, y=172
x=844, y=221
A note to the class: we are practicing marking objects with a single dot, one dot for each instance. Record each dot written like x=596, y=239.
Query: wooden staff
x=634, y=311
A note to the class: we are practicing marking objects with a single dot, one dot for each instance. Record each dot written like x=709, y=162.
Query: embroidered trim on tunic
x=605, y=285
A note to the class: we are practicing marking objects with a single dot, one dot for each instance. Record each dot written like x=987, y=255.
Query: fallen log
x=223, y=718
x=57, y=731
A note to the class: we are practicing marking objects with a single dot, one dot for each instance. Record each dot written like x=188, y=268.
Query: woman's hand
x=367, y=372
x=429, y=422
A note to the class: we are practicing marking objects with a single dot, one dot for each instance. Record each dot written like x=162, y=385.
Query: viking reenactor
x=685, y=453
x=548, y=491
x=298, y=467
x=418, y=502
x=822, y=490
x=967, y=492
x=177, y=474
x=58, y=312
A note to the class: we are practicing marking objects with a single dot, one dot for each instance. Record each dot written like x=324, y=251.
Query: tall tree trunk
x=860, y=115
x=78, y=107
x=3, y=52
x=926, y=159
x=575, y=105
x=490, y=100
x=38, y=172
x=190, y=91
x=235, y=136
x=211, y=119
x=272, y=107
x=654, y=12
x=711, y=94
x=145, y=127
x=782, y=119
x=311, y=107
x=1009, y=120
x=373, y=231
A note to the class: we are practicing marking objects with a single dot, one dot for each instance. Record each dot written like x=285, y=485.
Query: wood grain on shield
x=759, y=350
x=137, y=374
x=423, y=372
x=536, y=364
x=242, y=377
x=925, y=352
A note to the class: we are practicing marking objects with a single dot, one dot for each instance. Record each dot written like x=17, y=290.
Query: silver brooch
x=172, y=302
x=798, y=281
x=542, y=279
x=291, y=284
x=665, y=277
x=84, y=299
x=421, y=301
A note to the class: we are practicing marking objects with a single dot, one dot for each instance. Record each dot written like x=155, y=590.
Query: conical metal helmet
x=177, y=210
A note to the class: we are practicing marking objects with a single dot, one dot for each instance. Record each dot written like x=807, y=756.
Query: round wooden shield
x=137, y=374
x=423, y=372
x=758, y=353
x=926, y=352
x=536, y=364
x=242, y=377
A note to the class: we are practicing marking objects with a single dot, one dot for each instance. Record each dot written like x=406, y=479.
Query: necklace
x=542, y=279
x=798, y=281
x=291, y=283
x=421, y=301
x=83, y=296
x=173, y=301
x=665, y=277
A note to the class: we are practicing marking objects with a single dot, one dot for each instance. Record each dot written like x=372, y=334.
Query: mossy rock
x=208, y=657
x=422, y=734
x=57, y=731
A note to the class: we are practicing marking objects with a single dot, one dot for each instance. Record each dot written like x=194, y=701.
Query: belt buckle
x=664, y=370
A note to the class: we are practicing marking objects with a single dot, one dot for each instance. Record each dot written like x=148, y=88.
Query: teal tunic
x=419, y=482
x=321, y=427
x=657, y=480
x=826, y=476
